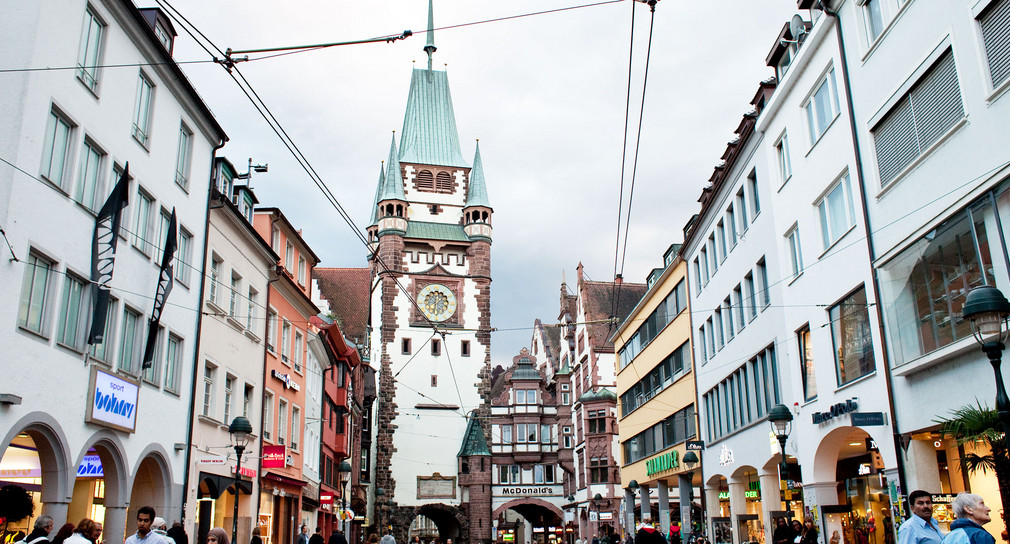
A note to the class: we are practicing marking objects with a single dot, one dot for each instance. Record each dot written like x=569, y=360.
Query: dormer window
x=163, y=36
x=785, y=61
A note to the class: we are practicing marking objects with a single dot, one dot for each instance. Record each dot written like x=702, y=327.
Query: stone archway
x=152, y=486
x=536, y=512
x=450, y=521
x=42, y=432
x=114, y=487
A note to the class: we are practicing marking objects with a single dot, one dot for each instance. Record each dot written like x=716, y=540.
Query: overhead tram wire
x=624, y=156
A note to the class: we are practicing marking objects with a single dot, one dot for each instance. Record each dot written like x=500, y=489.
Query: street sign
x=696, y=445
x=212, y=460
x=867, y=419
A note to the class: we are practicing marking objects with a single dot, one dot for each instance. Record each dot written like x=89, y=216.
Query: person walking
x=337, y=537
x=256, y=538
x=64, y=533
x=972, y=513
x=144, y=534
x=317, y=537
x=82, y=534
x=160, y=528
x=920, y=528
x=217, y=535
x=178, y=534
x=647, y=534
x=303, y=535
x=387, y=539
x=40, y=534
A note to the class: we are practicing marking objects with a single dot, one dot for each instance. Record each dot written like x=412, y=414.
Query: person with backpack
x=40, y=535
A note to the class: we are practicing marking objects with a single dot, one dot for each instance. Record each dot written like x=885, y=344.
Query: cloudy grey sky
x=545, y=95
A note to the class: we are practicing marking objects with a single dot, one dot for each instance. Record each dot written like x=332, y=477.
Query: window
x=233, y=295
x=752, y=186
x=89, y=176
x=268, y=415
x=919, y=119
x=142, y=222
x=299, y=340
x=714, y=253
x=101, y=351
x=658, y=379
x=807, y=364
x=598, y=470
x=673, y=430
x=566, y=433
x=720, y=339
x=90, y=54
x=271, y=330
x=275, y=239
x=289, y=256
x=152, y=373
x=142, y=113
x=727, y=312
x=720, y=240
x=506, y=434
x=520, y=395
x=751, y=295
x=405, y=346
x=35, y=294
x=515, y=473
x=215, y=278
x=924, y=287
x=743, y=397
x=185, y=156
x=282, y=421
x=782, y=152
x=436, y=347
x=697, y=276
x=703, y=255
x=285, y=340
x=766, y=295
x=247, y=399
x=229, y=398
x=301, y=270
x=464, y=348
x=710, y=336
x=703, y=344
x=795, y=255
x=785, y=60
x=545, y=434
x=874, y=17
x=521, y=433
x=741, y=207
x=836, y=212
x=296, y=415
x=597, y=422
x=129, y=342
x=822, y=108
x=738, y=304
x=184, y=256
x=56, y=149
x=994, y=22
x=850, y=331
x=731, y=226
x=209, y=372
x=566, y=399
x=72, y=330
x=250, y=315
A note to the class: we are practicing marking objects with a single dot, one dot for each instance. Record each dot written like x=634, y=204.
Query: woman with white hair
x=971, y=513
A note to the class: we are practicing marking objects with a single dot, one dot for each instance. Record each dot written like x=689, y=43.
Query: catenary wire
x=624, y=155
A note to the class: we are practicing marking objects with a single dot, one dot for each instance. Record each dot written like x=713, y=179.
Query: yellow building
x=655, y=385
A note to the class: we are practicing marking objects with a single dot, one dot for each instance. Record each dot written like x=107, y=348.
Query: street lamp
x=240, y=431
x=571, y=504
x=690, y=460
x=988, y=310
x=781, y=420
x=379, y=494
x=344, y=468
x=597, y=499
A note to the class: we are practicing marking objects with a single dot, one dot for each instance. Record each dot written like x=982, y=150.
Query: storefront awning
x=287, y=480
x=216, y=485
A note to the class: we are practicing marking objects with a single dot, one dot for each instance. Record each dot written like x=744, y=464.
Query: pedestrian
x=256, y=538
x=217, y=535
x=809, y=531
x=675, y=533
x=887, y=526
x=920, y=528
x=63, y=533
x=43, y=526
x=373, y=538
x=82, y=534
x=144, y=534
x=797, y=528
x=337, y=537
x=160, y=528
x=178, y=534
x=317, y=537
x=387, y=539
x=972, y=514
x=784, y=533
x=647, y=534
x=303, y=535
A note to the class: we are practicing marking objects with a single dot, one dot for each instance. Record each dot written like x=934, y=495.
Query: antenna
x=797, y=29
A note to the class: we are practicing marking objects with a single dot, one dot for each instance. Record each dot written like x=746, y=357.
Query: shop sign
x=529, y=491
x=724, y=495
x=943, y=498
x=212, y=460
x=326, y=498
x=286, y=379
x=867, y=419
x=695, y=445
x=836, y=410
x=112, y=401
x=594, y=515
x=604, y=516
x=245, y=471
x=664, y=462
x=274, y=456
x=90, y=467
x=752, y=494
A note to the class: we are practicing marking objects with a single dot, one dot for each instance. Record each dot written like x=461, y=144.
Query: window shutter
x=895, y=141
x=936, y=101
x=995, y=23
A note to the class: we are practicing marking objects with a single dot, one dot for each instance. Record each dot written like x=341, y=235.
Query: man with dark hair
x=317, y=538
x=920, y=528
x=144, y=535
x=303, y=535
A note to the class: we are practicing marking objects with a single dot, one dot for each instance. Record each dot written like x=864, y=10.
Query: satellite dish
x=797, y=26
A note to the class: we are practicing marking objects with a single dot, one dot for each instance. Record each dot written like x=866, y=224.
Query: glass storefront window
x=850, y=330
x=924, y=287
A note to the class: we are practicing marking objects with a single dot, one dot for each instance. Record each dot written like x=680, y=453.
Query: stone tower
x=430, y=233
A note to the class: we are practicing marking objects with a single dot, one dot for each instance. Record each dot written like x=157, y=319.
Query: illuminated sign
x=112, y=401
x=527, y=491
x=274, y=456
x=664, y=462
x=90, y=467
x=286, y=379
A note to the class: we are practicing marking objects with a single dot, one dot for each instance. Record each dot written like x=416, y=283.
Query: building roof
x=477, y=193
x=378, y=196
x=347, y=291
x=392, y=187
x=598, y=302
x=525, y=371
x=436, y=231
x=429, y=125
x=602, y=393
x=473, y=440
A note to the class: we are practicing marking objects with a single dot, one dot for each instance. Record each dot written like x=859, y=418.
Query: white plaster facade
x=43, y=223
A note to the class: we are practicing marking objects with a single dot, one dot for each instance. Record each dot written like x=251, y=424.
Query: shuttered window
x=995, y=23
x=919, y=119
x=425, y=181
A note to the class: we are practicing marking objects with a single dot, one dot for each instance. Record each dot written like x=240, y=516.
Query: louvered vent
x=425, y=182
x=443, y=182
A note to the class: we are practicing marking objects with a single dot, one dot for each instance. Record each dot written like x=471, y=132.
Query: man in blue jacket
x=971, y=513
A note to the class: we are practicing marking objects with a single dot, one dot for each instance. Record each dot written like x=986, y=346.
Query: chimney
x=618, y=279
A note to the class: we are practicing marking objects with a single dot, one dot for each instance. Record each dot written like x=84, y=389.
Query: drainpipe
x=199, y=329
x=867, y=232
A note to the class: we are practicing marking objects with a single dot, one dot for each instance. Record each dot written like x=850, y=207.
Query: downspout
x=277, y=272
x=867, y=232
x=199, y=329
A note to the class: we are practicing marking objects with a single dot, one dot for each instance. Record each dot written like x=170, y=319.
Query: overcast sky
x=545, y=94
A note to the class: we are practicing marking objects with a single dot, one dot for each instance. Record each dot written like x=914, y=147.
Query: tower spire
x=429, y=46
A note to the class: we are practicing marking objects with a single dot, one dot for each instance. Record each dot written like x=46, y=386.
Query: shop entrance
x=863, y=512
x=522, y=522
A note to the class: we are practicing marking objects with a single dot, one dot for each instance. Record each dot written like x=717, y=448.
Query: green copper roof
x=601, y=394
x=429, y=46
x=525, y=371
x=429, y=125
x=436, y=231
x=392, y=189
x=473, y=440
x=565, y=369
x=477, y=195
x=378, y=193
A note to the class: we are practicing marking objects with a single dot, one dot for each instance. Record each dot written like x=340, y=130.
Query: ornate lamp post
x=690, y=461
x=240, y=431
x=380, y=495
x=781, y=420
x=597, y=499
x=343, y=475
x=988, y=311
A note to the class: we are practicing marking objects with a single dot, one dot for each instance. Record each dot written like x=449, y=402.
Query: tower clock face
x=437, y=302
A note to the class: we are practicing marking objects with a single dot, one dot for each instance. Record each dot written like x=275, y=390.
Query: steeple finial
x=429, y=46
